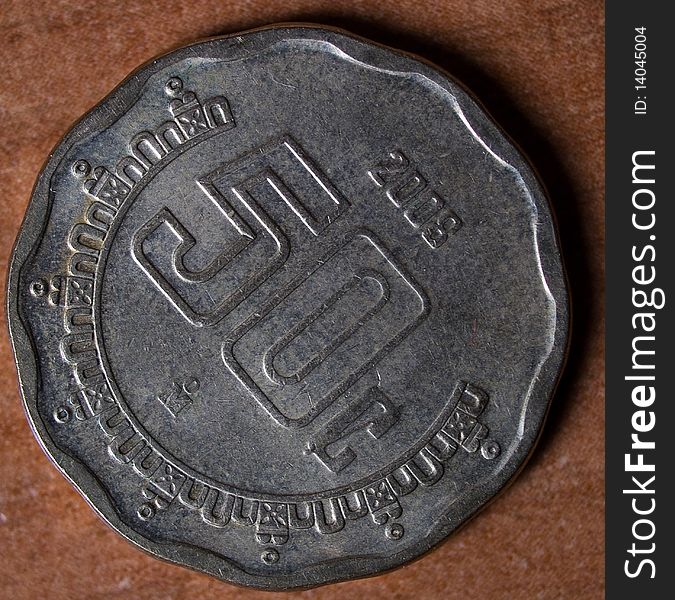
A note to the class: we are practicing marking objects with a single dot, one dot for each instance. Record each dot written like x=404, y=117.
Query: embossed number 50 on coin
x=287, y=307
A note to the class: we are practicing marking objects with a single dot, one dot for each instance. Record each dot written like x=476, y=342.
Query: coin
x=287, y=307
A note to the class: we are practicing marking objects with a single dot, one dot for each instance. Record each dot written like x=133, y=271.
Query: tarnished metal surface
x=287, y=307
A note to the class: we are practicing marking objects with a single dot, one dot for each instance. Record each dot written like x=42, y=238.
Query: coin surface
x=287, y=307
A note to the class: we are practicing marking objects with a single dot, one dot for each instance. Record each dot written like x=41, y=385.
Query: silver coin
x=287, y=307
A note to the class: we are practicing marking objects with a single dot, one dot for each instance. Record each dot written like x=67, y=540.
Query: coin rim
x=473, y=501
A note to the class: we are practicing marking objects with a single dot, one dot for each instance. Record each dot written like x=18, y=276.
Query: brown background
x=538, y=68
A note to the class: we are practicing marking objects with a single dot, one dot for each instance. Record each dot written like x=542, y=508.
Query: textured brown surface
x=538, y=68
